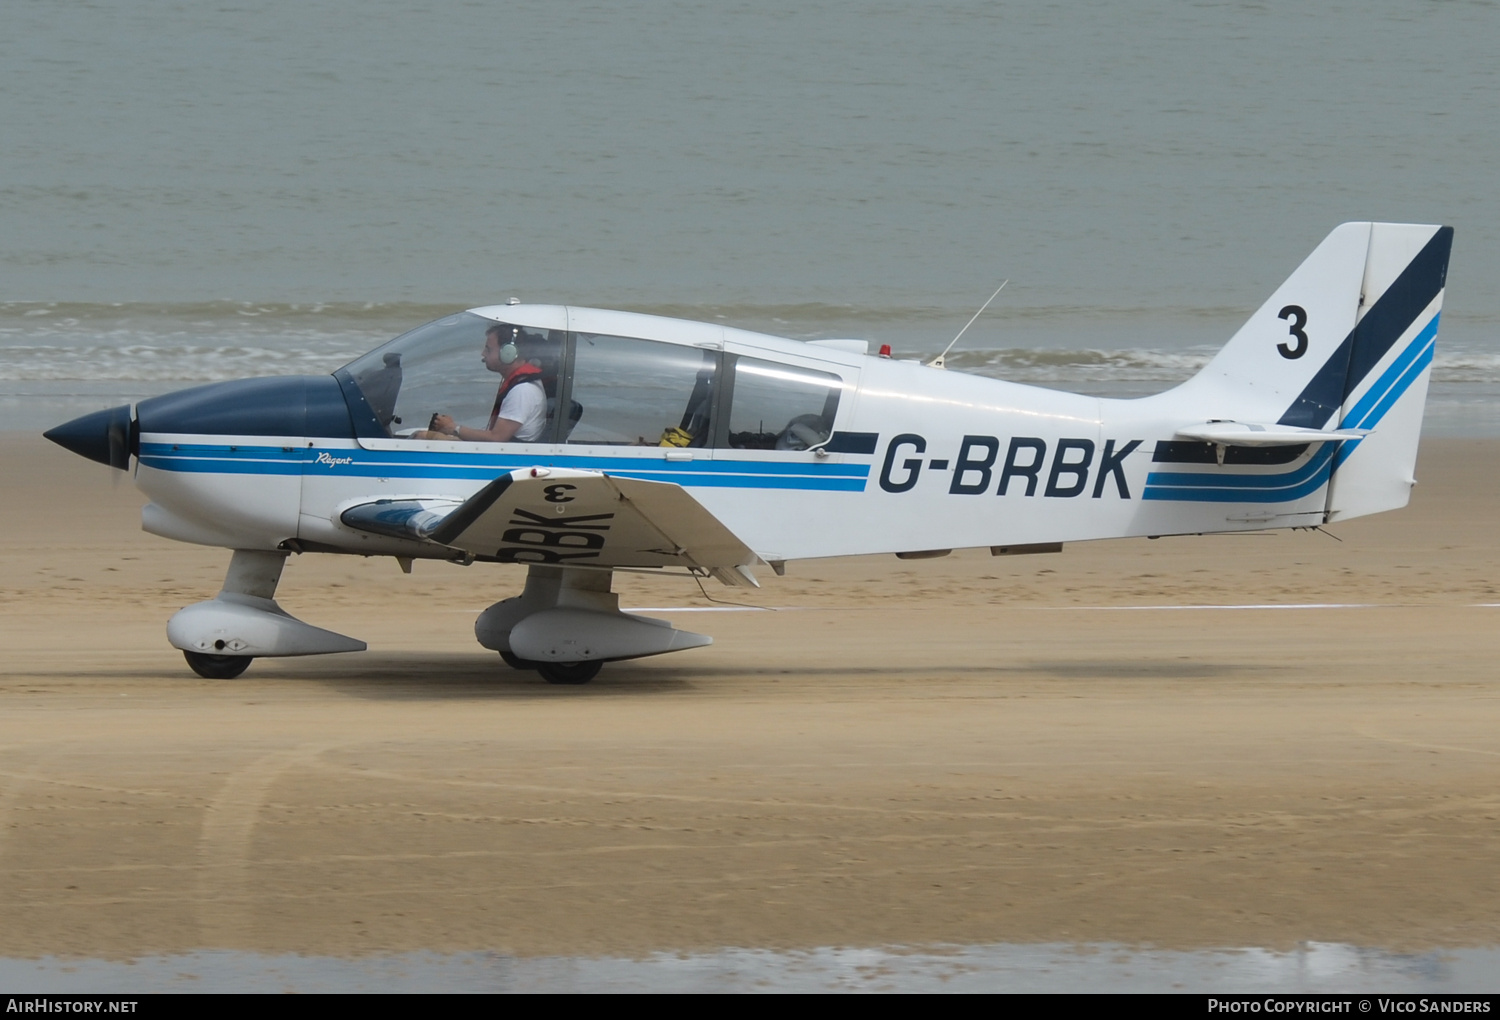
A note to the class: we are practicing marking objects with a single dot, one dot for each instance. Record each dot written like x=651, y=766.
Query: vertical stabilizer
x=1275, y=369
x=1345, y=343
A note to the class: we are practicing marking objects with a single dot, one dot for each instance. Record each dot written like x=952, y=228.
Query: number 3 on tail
x=1298, y=315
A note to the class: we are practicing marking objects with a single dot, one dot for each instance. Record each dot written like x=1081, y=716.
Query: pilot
x=520, y=411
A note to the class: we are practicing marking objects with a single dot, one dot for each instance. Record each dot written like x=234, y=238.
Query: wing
x=560, y=517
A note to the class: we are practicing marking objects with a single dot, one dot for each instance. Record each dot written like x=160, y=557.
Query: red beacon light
x=885, y=350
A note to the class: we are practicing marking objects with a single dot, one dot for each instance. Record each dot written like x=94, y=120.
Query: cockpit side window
x=781, y=407
x=439, y=369
x=630, y=392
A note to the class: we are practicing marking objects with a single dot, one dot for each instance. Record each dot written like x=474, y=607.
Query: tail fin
x=1345, y=342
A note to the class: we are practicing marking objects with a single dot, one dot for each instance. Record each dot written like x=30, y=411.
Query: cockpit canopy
x=601, y=389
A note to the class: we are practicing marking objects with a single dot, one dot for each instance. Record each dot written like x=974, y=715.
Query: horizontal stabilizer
x=1240, y=433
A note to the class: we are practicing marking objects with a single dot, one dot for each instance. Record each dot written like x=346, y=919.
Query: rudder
x=1388, y=366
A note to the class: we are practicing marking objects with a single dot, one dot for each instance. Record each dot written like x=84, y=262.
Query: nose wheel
x=217, y=667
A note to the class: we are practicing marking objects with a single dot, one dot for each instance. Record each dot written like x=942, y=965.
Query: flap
x=1239, y=433
x=584, y=518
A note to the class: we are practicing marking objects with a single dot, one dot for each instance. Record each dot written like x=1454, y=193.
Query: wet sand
x=969, y=750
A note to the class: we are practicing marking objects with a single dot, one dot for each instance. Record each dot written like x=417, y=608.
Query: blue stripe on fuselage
x=275, y=460
x=1206, y=488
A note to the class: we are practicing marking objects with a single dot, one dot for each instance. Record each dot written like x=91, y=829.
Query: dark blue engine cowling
x=313, y=406
x=297, y=405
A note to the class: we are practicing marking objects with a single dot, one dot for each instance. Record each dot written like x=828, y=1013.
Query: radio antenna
x=941, y=360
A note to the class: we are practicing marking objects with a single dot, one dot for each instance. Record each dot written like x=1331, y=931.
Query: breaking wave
x=144, y=363
x=1031, y=365
x=132, y=360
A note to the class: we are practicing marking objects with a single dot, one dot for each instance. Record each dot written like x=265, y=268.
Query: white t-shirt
x=527, y=404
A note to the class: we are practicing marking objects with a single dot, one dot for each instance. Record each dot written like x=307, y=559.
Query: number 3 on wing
x=1299, y=319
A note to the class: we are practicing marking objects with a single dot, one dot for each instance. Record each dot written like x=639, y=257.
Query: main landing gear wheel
x=514, y=661
x=217, y=667
x=569, y=672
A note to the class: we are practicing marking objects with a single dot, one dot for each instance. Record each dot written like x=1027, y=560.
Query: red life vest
x=526, y=373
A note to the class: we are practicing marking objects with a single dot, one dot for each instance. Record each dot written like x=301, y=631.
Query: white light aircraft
x=665, y=445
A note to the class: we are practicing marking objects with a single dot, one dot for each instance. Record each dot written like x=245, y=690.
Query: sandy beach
x=954, y=751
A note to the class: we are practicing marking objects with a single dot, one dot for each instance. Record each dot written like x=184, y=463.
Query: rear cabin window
x=629, y=392
x=781, y=407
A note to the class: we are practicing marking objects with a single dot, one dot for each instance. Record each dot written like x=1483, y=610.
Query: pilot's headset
x=509, y=352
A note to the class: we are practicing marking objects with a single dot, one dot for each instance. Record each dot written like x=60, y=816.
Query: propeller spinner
x=110, y=437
